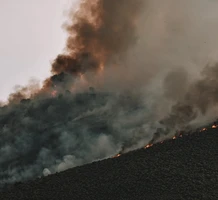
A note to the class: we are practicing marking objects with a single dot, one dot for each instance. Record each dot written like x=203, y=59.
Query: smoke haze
x=130, y=70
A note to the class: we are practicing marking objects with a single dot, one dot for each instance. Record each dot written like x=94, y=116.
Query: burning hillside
x=184, y=168
x=104, y=95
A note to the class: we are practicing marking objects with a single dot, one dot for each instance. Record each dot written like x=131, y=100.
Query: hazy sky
x=31, y=36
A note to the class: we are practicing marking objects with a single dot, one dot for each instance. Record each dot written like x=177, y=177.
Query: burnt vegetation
x=64, y=124
x=184, y=168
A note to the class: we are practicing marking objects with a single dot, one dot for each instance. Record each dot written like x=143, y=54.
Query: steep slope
x=184, y=168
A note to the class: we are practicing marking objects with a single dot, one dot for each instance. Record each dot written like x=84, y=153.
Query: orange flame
x=148, y=146
x=203, y=129
x=180, y=135
x=118, y=155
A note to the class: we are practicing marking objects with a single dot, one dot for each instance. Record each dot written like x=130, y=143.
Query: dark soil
x=185, y=168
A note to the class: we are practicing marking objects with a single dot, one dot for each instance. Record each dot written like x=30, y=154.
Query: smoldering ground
x=145, y=60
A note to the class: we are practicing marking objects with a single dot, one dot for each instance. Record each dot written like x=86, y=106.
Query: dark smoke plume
x=129, y=75
x=55, y=127
x=99, y=32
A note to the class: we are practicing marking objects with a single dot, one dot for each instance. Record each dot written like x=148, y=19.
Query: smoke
x=132, y=72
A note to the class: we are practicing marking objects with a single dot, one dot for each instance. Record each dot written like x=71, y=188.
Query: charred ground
x=184, y=168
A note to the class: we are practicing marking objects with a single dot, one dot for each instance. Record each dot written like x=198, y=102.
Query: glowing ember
x=148, y=146
x=118, y=155
x=161, y=142
x=203, y=129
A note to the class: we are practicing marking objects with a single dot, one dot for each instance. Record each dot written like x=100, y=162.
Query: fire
x=180, y=135
x=148, y=146
x=118, y=155
x=203, y=129
x=214, y=126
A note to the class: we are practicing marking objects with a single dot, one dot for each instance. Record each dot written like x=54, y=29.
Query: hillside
x=184, y=168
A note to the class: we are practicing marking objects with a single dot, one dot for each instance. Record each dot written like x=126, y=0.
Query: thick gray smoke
x=154, y=75
x=65, y=131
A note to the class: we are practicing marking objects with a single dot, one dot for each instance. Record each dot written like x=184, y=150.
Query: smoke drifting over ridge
x=128, y=69
x=97, y=37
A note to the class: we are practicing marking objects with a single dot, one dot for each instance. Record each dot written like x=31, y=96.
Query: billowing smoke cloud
x=199, y=100
x=131, y=72
x=61, y=125
x=100, y=32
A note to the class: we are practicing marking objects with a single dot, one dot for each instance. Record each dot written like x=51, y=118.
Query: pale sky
x=30, y=38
